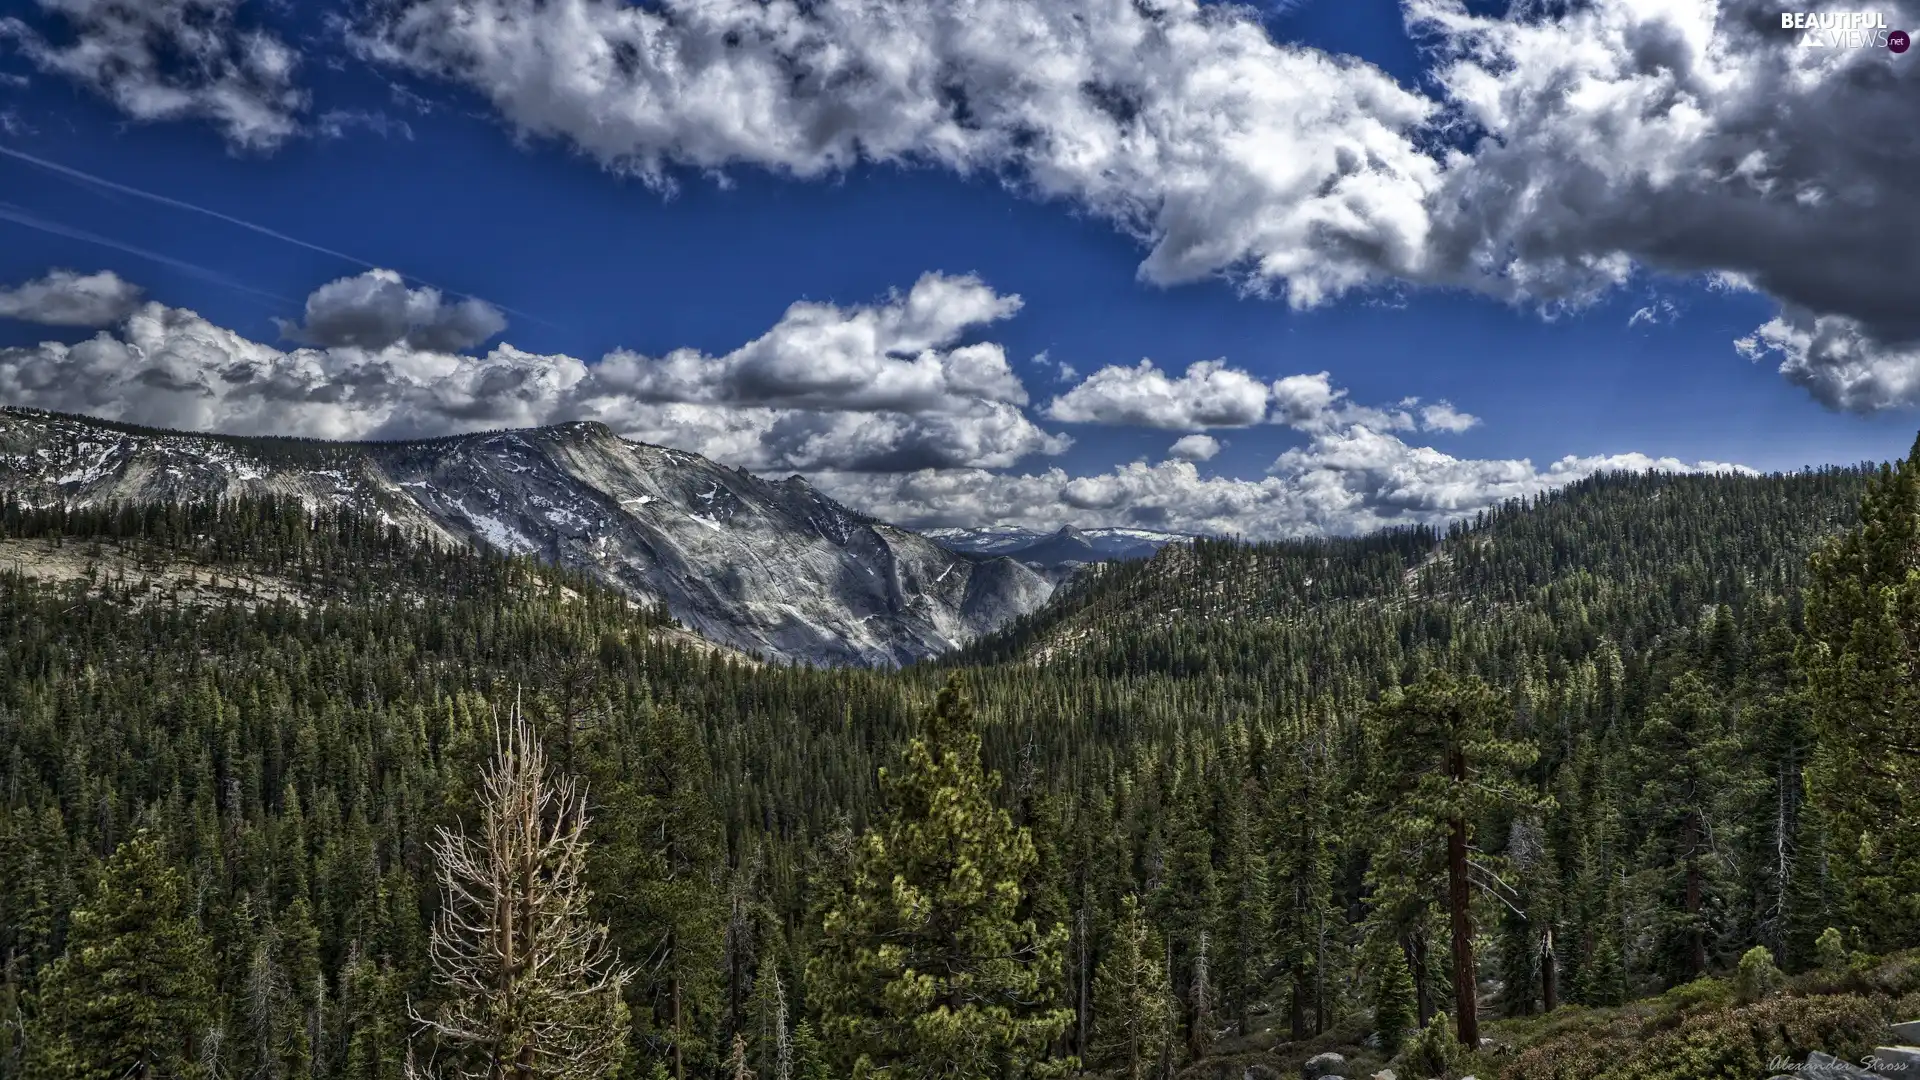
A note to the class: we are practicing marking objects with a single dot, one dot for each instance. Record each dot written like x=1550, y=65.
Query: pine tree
x=372, y=1018
x=1393, y=1007
x=737, y=1067
x=1447, y=766
x=532, y=992
x=772, y=1045
x=1299, y=836
x=809, y=1056
x=1133, y=1005
x=1757, y=976
x=1684, y=755
x=1245, y=925
x=1603, y=978
x=657, y=873
x=131, y=998
x=1186, y=904
x=922, y=969
x=1831, y=951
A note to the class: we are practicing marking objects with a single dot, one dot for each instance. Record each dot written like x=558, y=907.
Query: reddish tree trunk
x=1696, y=939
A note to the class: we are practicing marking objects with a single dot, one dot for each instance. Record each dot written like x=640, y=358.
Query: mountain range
x=1068, y=546
x=773, y=568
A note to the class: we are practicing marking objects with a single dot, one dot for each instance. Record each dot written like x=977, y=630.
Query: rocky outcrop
x=769, y=567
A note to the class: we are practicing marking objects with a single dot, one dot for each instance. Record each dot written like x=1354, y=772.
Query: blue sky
x=443, y=161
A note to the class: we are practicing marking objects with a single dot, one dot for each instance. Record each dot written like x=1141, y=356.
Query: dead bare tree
x=533, y=992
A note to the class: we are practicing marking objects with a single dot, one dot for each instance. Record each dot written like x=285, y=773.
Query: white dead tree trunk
x=533, y=993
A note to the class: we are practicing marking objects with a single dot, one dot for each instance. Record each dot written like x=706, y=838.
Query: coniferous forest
x=1622, y=781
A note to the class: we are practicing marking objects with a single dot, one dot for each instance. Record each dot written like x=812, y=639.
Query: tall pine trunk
x=679, y=1032
x=1696, y=938
x=1084, y=1006
x=1465, y=999
x=1422, y=985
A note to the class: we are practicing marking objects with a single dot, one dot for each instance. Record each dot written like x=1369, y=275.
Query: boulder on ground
x=1823, y=1066
x=1323, y=1067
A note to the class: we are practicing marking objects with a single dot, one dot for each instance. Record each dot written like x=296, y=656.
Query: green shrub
x=1830, y=951
x=1435, y=1051
x=1718, y=1043
x=1705, y=992
x=1758, y=977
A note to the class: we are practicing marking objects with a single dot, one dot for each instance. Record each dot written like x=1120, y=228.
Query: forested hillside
x=1214, y=811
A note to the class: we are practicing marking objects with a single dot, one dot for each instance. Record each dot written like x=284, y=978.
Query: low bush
x=1730, y=1043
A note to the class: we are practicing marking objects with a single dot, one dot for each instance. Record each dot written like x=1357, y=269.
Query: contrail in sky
x=181, y=204
x=22, y=216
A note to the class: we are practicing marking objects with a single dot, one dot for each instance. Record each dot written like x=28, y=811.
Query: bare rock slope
x=770, y=567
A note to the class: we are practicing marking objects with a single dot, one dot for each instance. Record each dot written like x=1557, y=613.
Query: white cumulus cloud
x=1194, y=448
x=1554, y=153
x=376, y=309
x=902, y=355
x=1210, y=394
x=1563, y=150
x=1184, y=123
x=65, y=298
x=1344, y=482
x=1441, y=416
x=919, y=399
x=1838, y=360
x=172, y=60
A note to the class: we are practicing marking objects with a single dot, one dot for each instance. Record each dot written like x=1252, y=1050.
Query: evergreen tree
x=1393, y=1008
x=922, y=969
x=131, y=997
x=1684, y=754
x=772, y=1046
x=657, y=875
x=1300, y=839
x=372, y=1020
x=809, y=1056
x=1448, y=766
x=737, y=1067
x=1186, y=902
x=1245, y=925
x=1133, y=1005
x=1603, y=978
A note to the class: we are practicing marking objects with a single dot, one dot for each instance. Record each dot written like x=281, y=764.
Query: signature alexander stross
x=1870, y=1062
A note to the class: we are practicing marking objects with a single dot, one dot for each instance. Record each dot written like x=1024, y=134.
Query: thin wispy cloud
x=25, y=218
x=80, y=176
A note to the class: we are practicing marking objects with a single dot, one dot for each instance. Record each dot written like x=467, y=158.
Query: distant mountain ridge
x=1067, y=545
x=1653, y=547
x=769, y=567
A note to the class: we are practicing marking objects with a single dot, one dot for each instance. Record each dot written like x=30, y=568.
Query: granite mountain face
x=770, y=567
